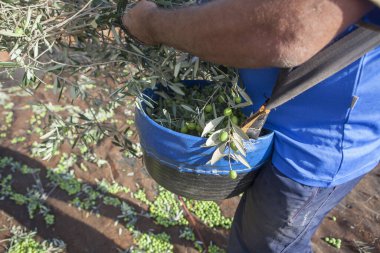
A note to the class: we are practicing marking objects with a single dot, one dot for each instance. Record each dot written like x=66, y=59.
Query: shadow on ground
x=80, y=230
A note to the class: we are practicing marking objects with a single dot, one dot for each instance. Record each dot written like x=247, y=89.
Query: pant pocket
x=302, y=215
x=300, y=198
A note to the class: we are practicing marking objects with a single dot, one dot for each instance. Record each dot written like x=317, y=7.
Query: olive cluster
x=212, y=111
x=9, y=117
x=337, y=243
x=215, y=249
x=141, y=195
x=152, y=243
x=188, y=113
x=209, y=213
x=113, y=188
x=166, y=210
x=24, y=241
x=27, y=244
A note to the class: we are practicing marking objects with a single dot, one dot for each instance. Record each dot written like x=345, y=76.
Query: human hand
x=136, y=21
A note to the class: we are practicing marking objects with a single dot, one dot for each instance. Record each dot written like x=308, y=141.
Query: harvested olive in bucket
x=212, y=111
x=191, y=143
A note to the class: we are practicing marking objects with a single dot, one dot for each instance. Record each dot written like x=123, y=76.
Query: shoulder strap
x=292, y=82
x=323, y=65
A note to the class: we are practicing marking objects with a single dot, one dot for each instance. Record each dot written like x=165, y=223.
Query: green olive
x=237, y=100
x=221, y=99
x=227, y=112
x=184, y=129
x=208, y=108
x=191, y=125
x=223, y=136
x=233, y=174
x=233, y=146
x=235, y=120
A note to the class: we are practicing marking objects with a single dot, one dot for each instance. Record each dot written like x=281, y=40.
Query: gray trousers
x=280, y=215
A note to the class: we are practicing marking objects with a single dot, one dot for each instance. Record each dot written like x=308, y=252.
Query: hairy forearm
x=252, y=33
x=223, y=31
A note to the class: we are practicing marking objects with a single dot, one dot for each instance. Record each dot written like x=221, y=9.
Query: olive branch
x=71, y=44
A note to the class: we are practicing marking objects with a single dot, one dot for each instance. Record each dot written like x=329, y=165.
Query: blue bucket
x=178, y=161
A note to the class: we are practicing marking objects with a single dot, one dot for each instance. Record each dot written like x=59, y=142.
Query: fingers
x=136, y=19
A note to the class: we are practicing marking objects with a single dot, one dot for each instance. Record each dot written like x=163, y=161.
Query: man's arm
x=247, y=33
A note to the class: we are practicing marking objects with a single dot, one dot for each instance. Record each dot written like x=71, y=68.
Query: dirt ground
x=357, y=216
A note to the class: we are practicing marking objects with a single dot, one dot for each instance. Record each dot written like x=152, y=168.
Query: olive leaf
x=188, y=108
x=213, y=140
x=241, y=159
x=181, y=85
x=136, y=49
x=196, y=67
x=214, y=110
x=174, y=110
x=218, y=153
x=218, y=78
x=238, y=131
x=8, y=64
x=47, y=135
x=177, y=69
x=245, y=96
x=212, y=125
x=162, y=94
x=167, y=115
x=176, y=89
x=238, y=143
x=28, y=17
x=9, y=33
x=147, y=100
x=35, y=52
x=202, y=120
x=183, y=77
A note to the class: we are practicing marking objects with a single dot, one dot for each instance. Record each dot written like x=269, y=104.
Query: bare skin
x=247, y=33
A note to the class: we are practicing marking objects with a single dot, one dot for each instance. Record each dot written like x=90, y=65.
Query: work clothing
x=326, y=140
x=279, y=215
x=329, y=134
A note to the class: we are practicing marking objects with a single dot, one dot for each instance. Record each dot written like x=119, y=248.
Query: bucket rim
x=142, y=112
